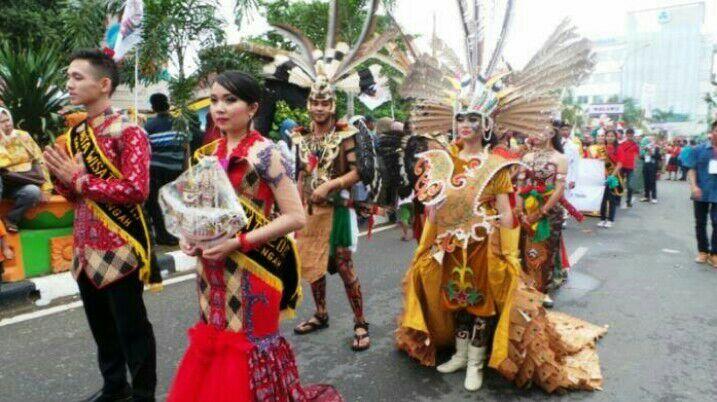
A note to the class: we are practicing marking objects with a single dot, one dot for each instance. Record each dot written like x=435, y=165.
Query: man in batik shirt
x=102, y=166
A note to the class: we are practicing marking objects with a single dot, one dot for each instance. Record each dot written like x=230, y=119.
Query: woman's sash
x=275, y=262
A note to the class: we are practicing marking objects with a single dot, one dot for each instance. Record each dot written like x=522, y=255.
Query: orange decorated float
x=43, y=244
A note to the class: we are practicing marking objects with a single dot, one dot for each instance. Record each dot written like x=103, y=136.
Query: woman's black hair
x=614, y=143
x=492, y=139
x=557, y=140
x=241, y=85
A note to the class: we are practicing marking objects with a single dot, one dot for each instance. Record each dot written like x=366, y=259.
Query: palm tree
x=711, y=99
x=31, y=88
x=571, y=111
x=84, y=21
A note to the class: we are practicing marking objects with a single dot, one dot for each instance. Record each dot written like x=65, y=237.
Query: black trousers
x=608, y=207
x=649, y=174
x=123, y=334
x=684, y=170
x=158, y=177
x=702, y=211
x=627, y=174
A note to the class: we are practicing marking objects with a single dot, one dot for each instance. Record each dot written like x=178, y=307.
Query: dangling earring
x=488, y=129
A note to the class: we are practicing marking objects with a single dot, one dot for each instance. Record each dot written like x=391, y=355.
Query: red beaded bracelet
x=244, y=245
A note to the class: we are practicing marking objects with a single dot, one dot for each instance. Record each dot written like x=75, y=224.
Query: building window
x=597, y=99
x=583, y=100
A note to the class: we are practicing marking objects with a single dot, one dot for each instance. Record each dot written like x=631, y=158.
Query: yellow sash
x=275, y=262
x=127, y=221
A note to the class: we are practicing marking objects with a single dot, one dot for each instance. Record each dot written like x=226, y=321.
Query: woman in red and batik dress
x=236, y=352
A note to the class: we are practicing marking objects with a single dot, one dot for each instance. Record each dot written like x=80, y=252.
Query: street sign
x=608, y=108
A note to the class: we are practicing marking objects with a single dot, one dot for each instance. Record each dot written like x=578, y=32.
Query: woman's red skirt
x=224, y=366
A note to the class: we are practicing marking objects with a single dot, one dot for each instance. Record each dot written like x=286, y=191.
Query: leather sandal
x=356, y=346
x=309, y=326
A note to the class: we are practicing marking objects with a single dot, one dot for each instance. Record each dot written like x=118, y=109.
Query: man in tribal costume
x=328, y=170
x=329, y=155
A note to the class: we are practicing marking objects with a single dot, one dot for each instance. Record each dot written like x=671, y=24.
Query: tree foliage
x=178, y=25
x=711, y=99
x=668, y=116
x=571, y=111
x=633, y=115
x=25, y=23
x=171, y=28
x=215, y=60
x=83, y=22
x=285, y=112
x=31, y=88
x=312, y=18
x=68, y=24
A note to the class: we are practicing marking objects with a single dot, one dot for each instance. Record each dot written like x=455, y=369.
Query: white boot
x=458, y=360
x=474, y=372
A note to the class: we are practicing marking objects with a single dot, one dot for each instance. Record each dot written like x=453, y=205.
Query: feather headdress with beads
x=521, y=101
x=337, y=66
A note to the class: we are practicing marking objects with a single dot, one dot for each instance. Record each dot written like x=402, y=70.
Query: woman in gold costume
x=465, y=278
x=455, y=257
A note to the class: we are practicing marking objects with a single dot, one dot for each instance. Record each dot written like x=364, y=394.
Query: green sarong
x=341, y=227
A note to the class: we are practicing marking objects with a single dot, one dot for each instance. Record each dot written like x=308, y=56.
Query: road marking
x=378, y=230
x=577, y=255
x=73, y=305
x=40, y=313
x=670, y=251
x=177, y=279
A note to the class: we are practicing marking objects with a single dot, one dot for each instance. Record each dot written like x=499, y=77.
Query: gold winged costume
x=462, y=261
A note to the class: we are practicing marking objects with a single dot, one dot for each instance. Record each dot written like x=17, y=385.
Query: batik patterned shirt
x=99, y=252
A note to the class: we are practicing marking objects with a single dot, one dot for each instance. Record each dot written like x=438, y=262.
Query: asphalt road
x=637, y=277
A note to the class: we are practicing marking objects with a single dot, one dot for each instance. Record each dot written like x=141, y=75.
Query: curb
x=41, y=291
x=15, y=293
x=45, y=289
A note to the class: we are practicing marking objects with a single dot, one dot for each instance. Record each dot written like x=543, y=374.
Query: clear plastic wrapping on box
x=201, y=206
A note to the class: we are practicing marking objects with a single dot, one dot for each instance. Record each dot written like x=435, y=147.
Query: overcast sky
x=533, y=21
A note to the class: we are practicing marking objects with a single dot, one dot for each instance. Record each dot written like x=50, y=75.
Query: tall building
x=664, y=62
x=605, y=83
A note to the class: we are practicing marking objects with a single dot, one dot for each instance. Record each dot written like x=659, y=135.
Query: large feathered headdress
x=507, y=100
x=334, y=67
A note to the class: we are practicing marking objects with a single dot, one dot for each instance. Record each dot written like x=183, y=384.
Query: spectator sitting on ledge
x=23, y=175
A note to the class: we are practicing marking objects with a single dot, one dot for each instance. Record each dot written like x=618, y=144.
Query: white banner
x=130, y=32
x=589, y=185
x=610, y=108
x=380, y=96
